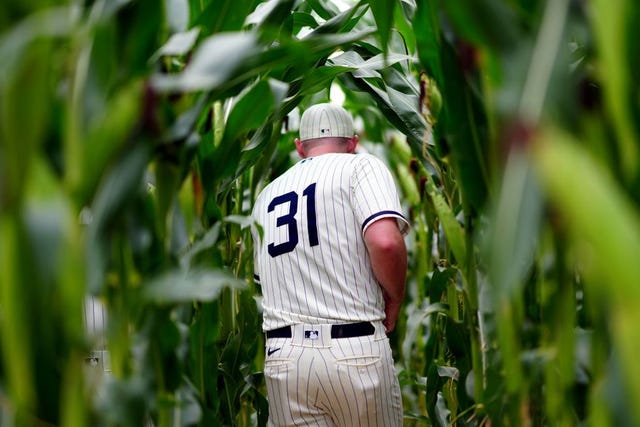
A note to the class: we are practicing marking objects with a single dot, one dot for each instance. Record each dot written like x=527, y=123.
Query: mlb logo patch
x=312, y=335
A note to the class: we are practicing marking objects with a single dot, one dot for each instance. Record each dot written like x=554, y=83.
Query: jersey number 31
x=289, y=220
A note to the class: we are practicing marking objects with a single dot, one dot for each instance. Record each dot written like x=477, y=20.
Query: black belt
x=347, y=330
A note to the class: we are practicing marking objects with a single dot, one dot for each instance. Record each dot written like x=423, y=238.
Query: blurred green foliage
x=134, y=136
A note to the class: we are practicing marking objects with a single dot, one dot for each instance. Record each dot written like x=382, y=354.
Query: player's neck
x=318, y=148
x=319, y=151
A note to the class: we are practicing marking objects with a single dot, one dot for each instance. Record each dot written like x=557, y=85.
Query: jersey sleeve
x=374, y=194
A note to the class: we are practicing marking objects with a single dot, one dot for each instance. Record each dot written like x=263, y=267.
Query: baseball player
x=331, y=261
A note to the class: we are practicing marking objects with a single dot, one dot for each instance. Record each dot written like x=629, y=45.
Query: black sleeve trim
x=379, y=214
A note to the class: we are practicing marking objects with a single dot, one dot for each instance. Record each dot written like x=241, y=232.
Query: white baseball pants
x=313, y=379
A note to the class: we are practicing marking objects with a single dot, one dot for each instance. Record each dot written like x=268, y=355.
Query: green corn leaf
x=510, y=246
x=225, y=61
x=615, y=25
x=603, y=222
x=511, y=241
x=452, y=228
x=179, y=44
x=56, y=22
x=221, y=15
x=16, y=351
x=408, y=185
x=252, y=108
x=25, y=111
x=383, y=12
x=302, y=19
x=179, y=286
x=604, y=230
x=321, y=78
x=273, y=17
x=484, y=22
x=368, y=68
x=463, y=122
x=400, y=108
x=426, y=27
x=108, y=135
x=117, y=188
x=216, y=61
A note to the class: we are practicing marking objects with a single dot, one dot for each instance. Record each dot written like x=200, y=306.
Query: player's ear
x=299, y=148
x=352, y=143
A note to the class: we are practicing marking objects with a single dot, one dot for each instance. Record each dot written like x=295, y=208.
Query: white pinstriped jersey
x=312, y=261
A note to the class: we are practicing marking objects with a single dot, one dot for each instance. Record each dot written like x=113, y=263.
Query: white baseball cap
x=325, y=120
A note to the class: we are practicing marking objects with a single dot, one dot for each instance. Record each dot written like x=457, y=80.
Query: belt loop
x=381, y=331
x=297, y=334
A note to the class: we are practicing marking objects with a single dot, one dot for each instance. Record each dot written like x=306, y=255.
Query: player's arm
x=388, y=255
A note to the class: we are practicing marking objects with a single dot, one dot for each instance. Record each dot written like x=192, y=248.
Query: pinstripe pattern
x=347, y=381
x=95, y=324
x=332, y=282
x=323, y=120
x=343, y=382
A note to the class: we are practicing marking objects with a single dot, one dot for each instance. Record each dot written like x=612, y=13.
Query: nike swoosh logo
x=270, y=351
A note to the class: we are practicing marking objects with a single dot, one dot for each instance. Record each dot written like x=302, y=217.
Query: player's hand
x=391, y=310
x=388, y=325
